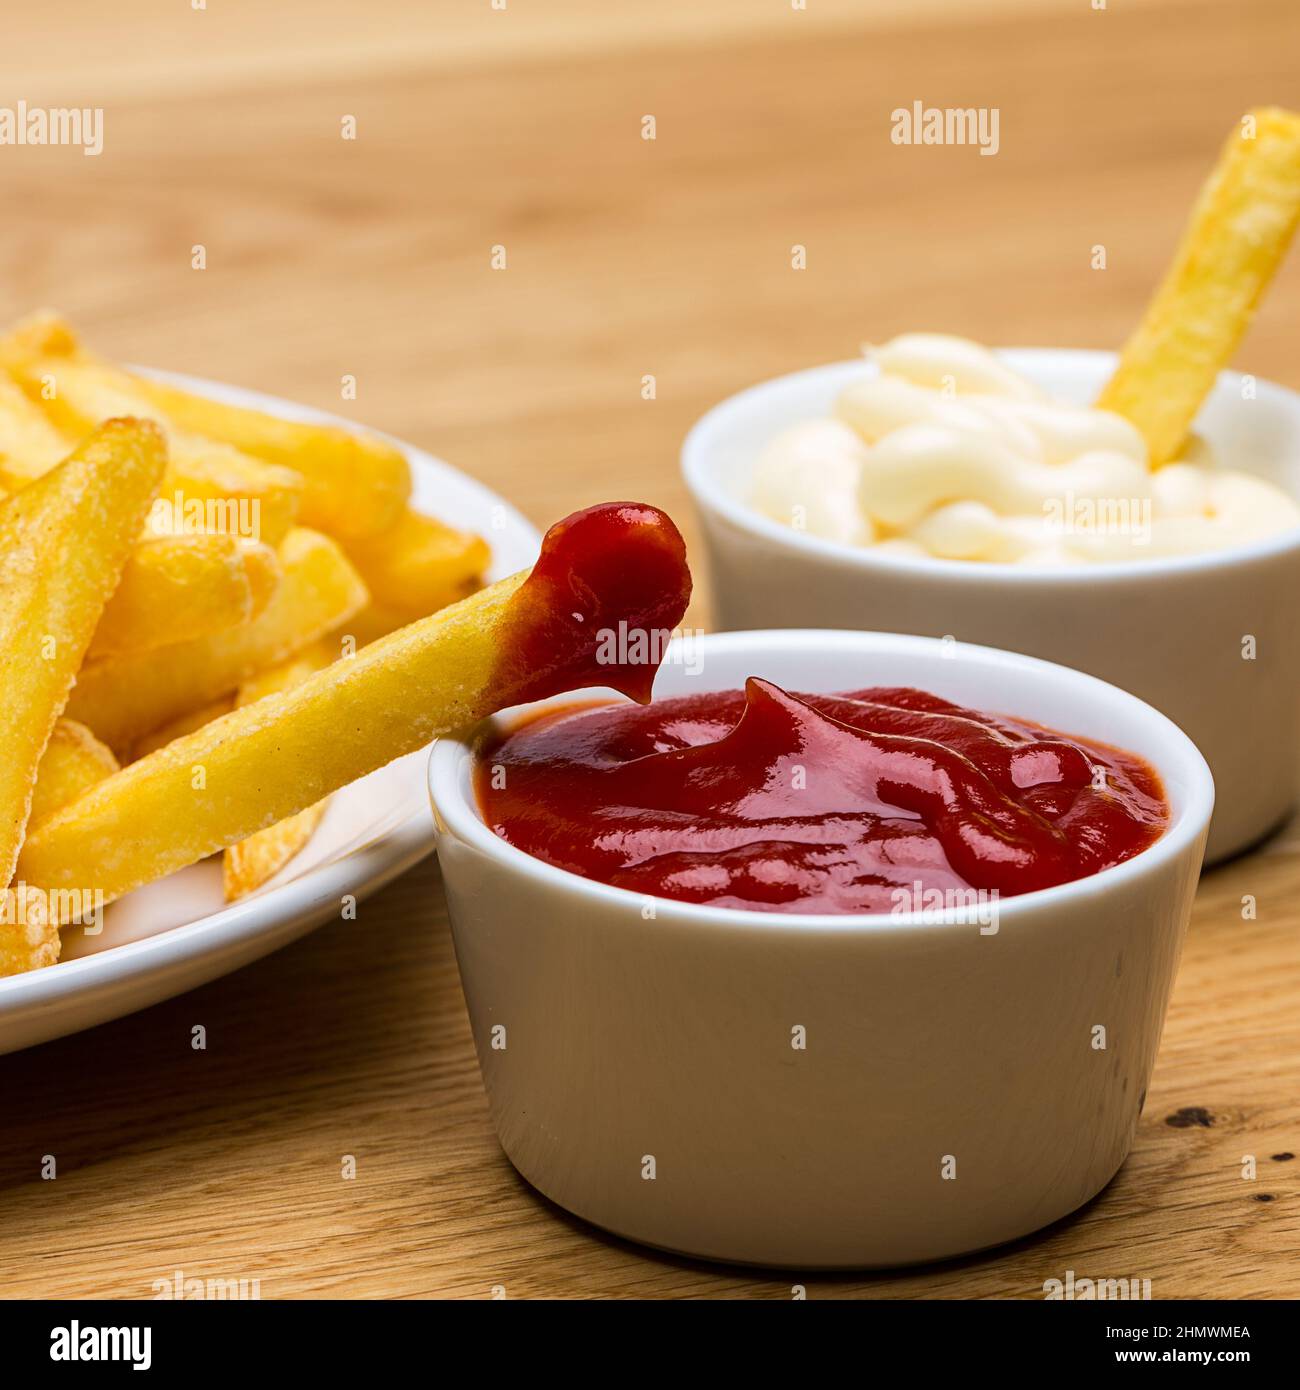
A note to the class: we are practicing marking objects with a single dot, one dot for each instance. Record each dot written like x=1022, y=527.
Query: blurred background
x=521, y=126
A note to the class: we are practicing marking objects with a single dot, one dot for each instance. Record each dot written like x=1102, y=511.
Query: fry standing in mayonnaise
x=945, y=451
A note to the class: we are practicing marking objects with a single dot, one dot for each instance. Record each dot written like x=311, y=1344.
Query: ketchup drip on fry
x=815, y=803
x=608, y=588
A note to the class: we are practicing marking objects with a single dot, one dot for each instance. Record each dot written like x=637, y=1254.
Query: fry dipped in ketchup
x=536, y=634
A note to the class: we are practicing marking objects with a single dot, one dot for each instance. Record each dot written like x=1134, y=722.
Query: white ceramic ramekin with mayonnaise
x=1211, y=638
x=825, y=1091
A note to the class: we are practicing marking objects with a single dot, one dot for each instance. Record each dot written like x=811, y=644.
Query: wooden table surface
x=521, y=127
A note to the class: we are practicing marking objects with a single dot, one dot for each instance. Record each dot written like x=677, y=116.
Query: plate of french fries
x=178, y=560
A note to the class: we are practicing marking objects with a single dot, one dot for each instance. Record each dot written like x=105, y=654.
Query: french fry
x=376, y=620
x=29, y=933
x=416, y=565
x=76, y=394
x=29, y=444
x=74, y=760
x=64, y=540
x=212, y=487
x=121, y=698
x=180, y=726
x=357, y=485
x=212, y=490
x=271, y=759
x=179, y=587
x=263, y=571
x=46, y=333
x=373, y=622
x=284, y=675
x=1240, y=227
x=250, y=863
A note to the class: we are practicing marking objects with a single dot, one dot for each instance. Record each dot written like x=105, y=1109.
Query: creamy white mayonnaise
x=948, y=452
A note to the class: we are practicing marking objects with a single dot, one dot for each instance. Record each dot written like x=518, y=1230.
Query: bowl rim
x=457, y=814
x=711, y=497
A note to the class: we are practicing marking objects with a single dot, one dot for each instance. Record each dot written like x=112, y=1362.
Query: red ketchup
x=815, y=803
x=598, y=607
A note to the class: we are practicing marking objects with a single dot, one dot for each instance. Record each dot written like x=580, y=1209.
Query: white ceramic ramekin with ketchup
x=956, y=1087
x=1211, y=639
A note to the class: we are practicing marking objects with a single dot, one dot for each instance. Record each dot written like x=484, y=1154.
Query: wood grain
x=625, y=257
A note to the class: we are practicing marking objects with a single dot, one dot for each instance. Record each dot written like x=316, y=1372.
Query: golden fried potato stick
x=122, y=697
x=250, y=863
x=180, y=726
x=178, y=587
x=263, y=763
x=377, y=620
x=74, y=759
x=76, y=394
x=64, y=540
x=29, y=932
x=45, y=333
x=263, y=571
x=29, y=443
x=415, y=566
x=284, y=675
x=618, y=567
x=1240, y=228
x=356, y=484
x=213, y=488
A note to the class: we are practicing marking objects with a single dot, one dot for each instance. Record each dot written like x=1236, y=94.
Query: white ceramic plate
x=178, y=933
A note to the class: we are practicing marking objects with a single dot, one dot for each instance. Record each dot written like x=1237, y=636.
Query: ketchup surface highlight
x=619, y=567
x=815, y=803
